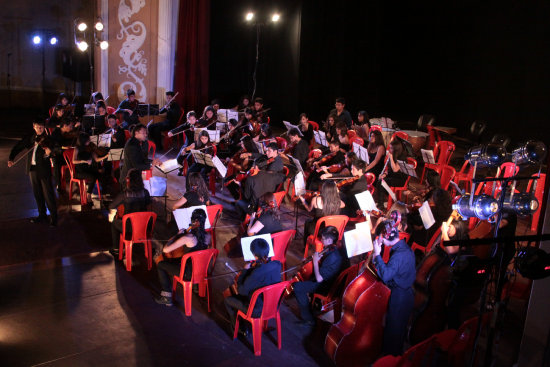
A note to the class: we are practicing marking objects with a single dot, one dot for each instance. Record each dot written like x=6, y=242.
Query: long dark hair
x=365, y=118
x=199, y=143
x=269, y=205
x=197, y=184
x=135, y=182
x=330, y=197
x=378, y=140
x=343, y=128
x=199, y=216
x=249, y=144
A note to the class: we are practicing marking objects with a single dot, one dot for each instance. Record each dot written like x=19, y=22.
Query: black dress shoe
x=38, y=219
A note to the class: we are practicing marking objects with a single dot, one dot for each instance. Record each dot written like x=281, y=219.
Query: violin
x=347, y=181
x=180, y=251
x=99, y=151
x=325, y=158
x=305, y=272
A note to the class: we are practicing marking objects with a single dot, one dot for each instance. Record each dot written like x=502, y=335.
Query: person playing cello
x=129, y=109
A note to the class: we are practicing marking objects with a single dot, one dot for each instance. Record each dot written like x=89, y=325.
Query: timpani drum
x=417, y=139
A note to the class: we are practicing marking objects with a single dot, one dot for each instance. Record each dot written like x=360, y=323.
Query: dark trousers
x=301, y=291
x=166, y=270
x=242, y=208
x=43, y=194
x=232, y=305
x=399, y=310
x=155, y=131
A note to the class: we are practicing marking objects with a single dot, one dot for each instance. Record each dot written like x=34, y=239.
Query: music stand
x=407, y=168
x=115, y=154
x=361, y=152
x=428, y=156
x=93, y=123
x=208, y=160
x=224, y=115
x=289, y=126
x=168, y=166
x=145, y=109
x=320, y=137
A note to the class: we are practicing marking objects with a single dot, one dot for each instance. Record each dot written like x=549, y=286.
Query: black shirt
x=120, y=138
x=126, y=105
x=133, y=202
x=257, y=185
x=271, y=224
x=301, y=152
x=348, y=195
x=135, y=156
x=308, y=134
x=276, y=166
x=173, y=113
x=344, y=117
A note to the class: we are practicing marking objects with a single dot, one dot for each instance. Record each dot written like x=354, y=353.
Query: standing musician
x=324, y=274
x=128, y=108
x=300, y=147
x=188, y=128
x=399, y=275
x=257, y=274
x=134, y=199
x=340, y=113
x=261, y=113
x=39, y=168
x=393, y=176
x=196, y=195
x=306, y=128
x=85, y=159
x=194, y=238
x=266, y=219
x=173, y=113
x=377, y=151
x=331, y=162
x=136, y=153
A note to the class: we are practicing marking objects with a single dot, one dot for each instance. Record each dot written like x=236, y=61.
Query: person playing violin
x=187, y=128
x=320, y=167
x=85, y=161
x=118, y=137
x=353, y=186
x=300, y=149
x=39, y=169
x=232, y=140
x=266, y=134
x=208, y=118
x=261, y=113
x=257, y=274
x=325, y=272
x=266, y=219
x=253, y=127
x=136, y=153
x=393, y=176
x=399, y=275
x=173, y=113
x=128, y=108
x=244, y=102
x=205, y=146
x=192, y=239
x=134, y=199
x=196, y=195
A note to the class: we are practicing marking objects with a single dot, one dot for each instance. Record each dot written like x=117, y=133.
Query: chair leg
x=208, y=294
x=202, y=288
x=279, y=340
x=307, y=247
x=120, y=248
x=257, y=336
x=149, y=254
x=128, y=255
x=174, y=286
x=187, y=297
x=236, y=327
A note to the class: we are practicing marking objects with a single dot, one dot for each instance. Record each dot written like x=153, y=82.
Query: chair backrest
x=201, y=261
x=214, y=212
x=400, y=134
x=151, y=146
x=279, y=196
x=375, y=127
x=314, y=124
x=281, y=240
x=351, y=135
x=444, y=150
x=507, y=169
x=281, y=142
x=272, y=299
x=338, y=221
x=447, y=173
x=141, y=230
x=357, y=140
x=371, y=177
x=68, y=155
x=110, y=110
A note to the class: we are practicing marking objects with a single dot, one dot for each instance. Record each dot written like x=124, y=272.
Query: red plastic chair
x=507, y=169
x=68, y=155
x=315, y=153
x=214, y=212
x=127, y=134
x=466, y=174
x=433, y=137
x=443, y=152
x=447, y=173
x=201, y=261
x=375, y=127
x=351, y=135
x=415, y=246
x=152, y=147
x=279, y=196
x=281, y=142
x=281, y=241
x=421, y=354
x=338, y=221
x=272, y=295
x=142, y=232
x=314, y=124
x=357, y=140
x=538, y=187
x=399, y=190
x=400, y=134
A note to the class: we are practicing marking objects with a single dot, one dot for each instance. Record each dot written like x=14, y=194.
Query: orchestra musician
x=342, y=136
x=261, y=113
x=330, y=127
x=393, y=176
x=215, y=103
x=134, y=199
x=118, y=137
x=195, y=238
x=325, y=271
x=39, y=169
x=362, y=126
x=85, y=159
x=173, y=113
x=100, y=119
x=266, y=219
x=205, y=146
x=136, y=153
x=333, y=160
x=244, y=102
x=306, y=128
x=231, y=141
x=399, y=275
x=197, y=194
x=266, y=134
x=257, y=274
x=355, y=185
x=340, y=113
x=60, y=113
x=208, y=118
x=187, y=128
x=377, y=152
x=275, y=162
x=300, y=149
x=250, y=120
x=128, y=108
x=63, y=136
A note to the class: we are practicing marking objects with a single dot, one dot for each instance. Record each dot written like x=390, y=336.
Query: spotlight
x=249, y=16
x=99, y=26
x=53, y=41
x=521, y=203
x=483, y=206
x=532, y=263
x=486, y=155
x=531, y=152
x=82, y=26
x=36, y=40
x=103, y=45
x=82, y=46
x=275, y=17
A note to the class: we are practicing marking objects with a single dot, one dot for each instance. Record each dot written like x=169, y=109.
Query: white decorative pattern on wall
x=135, y=65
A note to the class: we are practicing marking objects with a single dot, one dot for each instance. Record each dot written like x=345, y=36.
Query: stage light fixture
x=82, y=45
x=53, y=41
x=486, y=155
x=36, y=39
x=104, y=45
x=483, y=206
x=533, y=152
x=99, y=25
x=521, y=203
x=275, y=18
x=82, y=26
x=249, y=16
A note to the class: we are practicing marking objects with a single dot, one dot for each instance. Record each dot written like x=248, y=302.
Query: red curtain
x=192, y=54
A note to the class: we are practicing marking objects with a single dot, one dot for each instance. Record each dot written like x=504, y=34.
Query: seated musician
x=362, y=126
x=195, y=238
x=205, y=146
x=332, y=161
x=196, y=195
x=306, y=128
x=399, y=275
x=257, y=274
x=393, y=176
x=330, y=127
x=326, y=203
x=325, y=271
x=100, y=119
x=128, y=108
x=342, y=136
x=173, y=113
x=215, y=103
x=63, y=136
x=118, y=137
x=232, y=140
x=266, y=134
x=357, y=185
x=85, y=160
x=60, y=113
x=187, y=128
x=301, y=147
x=134, y=199
x=208, y=119
x=266, y=219
x=256, y=185
x=275, y=162
x=261, y=113
x=244, y=102
x=250, y=120
x=136, y=153
x=377, y=152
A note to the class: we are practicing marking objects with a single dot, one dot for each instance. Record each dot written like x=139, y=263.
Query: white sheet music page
x=426, y=215
x=366, y=201
x=389, y=190
x=299, y=184
x=183, y=216
x=169, y=165
x=320, y=137
x=222, y=169
x=428, y=156
x=245, y=245
x=357, y=242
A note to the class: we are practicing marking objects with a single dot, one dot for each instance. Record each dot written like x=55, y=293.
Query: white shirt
x=33, y=160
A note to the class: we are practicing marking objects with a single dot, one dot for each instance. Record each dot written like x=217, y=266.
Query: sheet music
x=358, y=241
x=183, y=216
x=320, y=137
x=169, y=166
x=115, y=154
x=426, y=215
x=245, y=245
x=260, y=147
x=428, y=156
x=101, y=140
x=222, y=126
x=407, y=169
x=156, y=186
x=214, y=135
x=389, y=190
x=366, y=201
x=296, y=163
x=289, y=126
x=299, y=184
x=361, y=152
x=222, y=169
x=224, y=115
